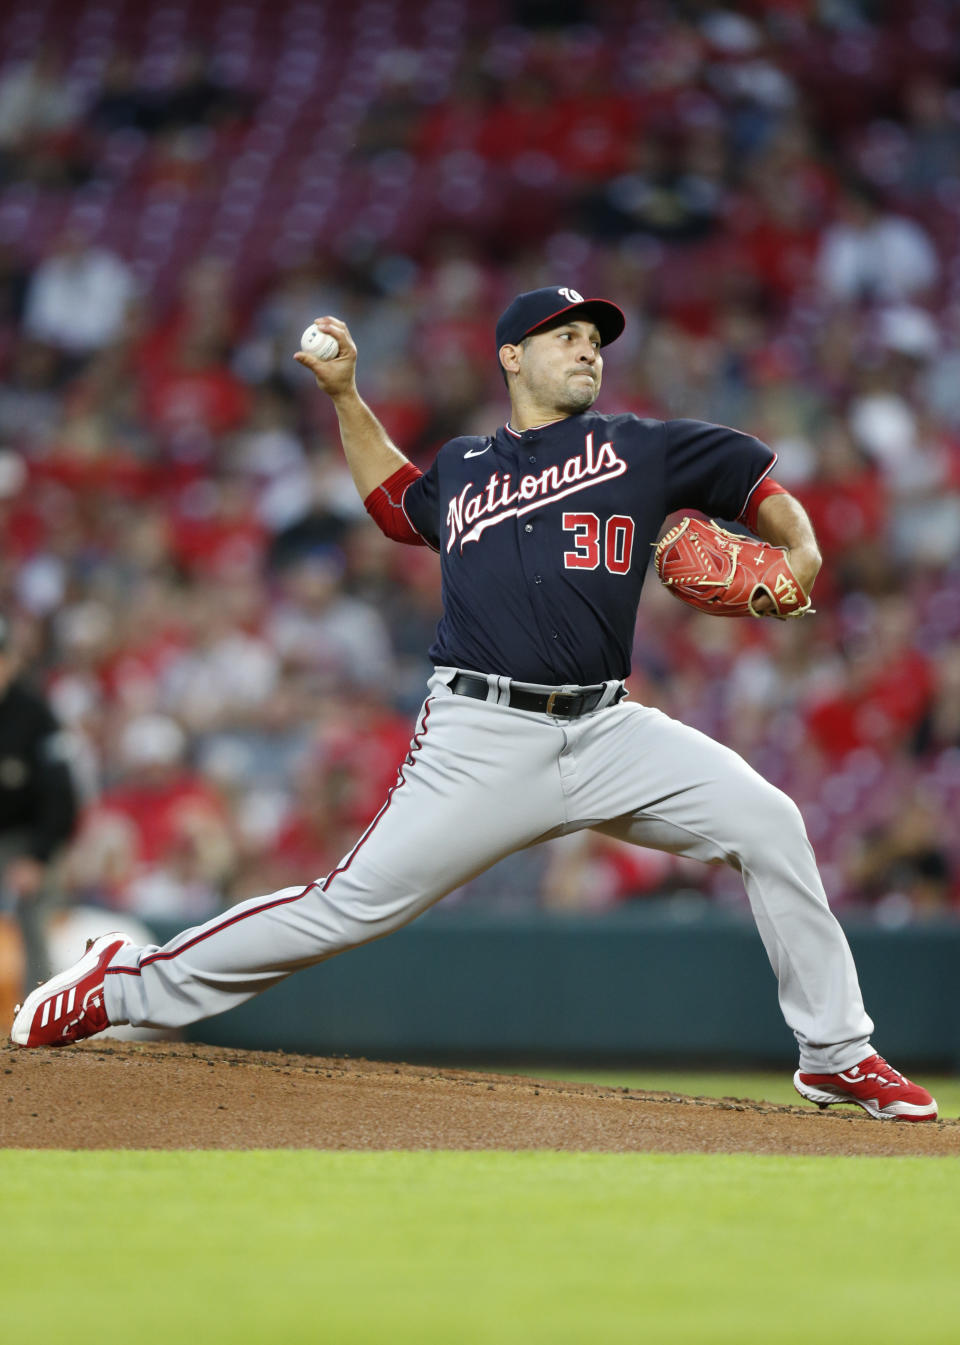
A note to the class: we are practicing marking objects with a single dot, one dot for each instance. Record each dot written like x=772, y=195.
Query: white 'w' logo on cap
x=571, y=296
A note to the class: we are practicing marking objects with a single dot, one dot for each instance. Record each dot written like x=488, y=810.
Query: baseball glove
x=724, y=574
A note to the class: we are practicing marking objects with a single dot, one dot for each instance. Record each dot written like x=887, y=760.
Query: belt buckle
x=566, y=691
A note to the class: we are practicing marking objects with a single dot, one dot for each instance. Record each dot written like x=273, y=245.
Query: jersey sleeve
x=385, y=508
x=420, y=502
x=712, y=467
x=764, y=488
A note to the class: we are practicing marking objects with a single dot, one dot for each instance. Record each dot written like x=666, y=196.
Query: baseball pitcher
x=543, y=530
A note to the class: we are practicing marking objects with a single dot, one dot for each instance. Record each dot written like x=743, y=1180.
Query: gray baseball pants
x=482, y=780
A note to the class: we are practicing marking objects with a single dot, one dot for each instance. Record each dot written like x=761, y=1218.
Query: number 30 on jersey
x=614, y=549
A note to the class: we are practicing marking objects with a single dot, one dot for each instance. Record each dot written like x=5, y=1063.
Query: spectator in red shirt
x=157, y=843
x=847, y=499
x=886, y=693
x=195, y=394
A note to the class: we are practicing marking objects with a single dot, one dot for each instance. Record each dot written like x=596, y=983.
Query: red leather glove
x=723, y=574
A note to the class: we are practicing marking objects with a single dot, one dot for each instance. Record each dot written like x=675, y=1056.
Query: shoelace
x=91, y=1013
x=882, y=1072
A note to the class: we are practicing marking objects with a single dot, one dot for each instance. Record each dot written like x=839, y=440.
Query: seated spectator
x=940, y=729
x=157, y=843
x=29, y=394
x=393, y=117
x=903, y=867
x=873, y=254
x=455, y=124
x=121, y=103
x=39, y=110
x=14, y=275
x=269, y=453
x=35, y=97
x=214, y=528
x=79, y=296
x=332, y=640
x=193, y=97
x=114, y=660
x=847, y=499
x=668, y=191
x=21, y=525
x=778, y=214
x=202, y=313
x=933, y=164
x=193, y=399
x=523, y=124
x=886, y=691
x=224, y=674
x=311, y=839
x=598, y=122
x=324, y=512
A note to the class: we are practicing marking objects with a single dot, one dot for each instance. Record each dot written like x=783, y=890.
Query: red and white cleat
x=873, y=1085
x=69, y=1006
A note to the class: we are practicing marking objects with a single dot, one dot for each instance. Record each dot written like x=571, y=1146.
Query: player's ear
x=510, y=358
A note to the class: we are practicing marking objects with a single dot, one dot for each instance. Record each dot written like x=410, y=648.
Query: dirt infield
x=114, y=1095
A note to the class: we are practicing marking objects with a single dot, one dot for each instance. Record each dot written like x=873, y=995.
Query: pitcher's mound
x=131, y=1095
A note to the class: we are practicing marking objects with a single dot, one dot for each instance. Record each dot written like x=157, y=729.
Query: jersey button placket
x=531, y=556
x=528, y=552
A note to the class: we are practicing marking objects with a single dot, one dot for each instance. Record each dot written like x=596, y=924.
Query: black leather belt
x=566, y=704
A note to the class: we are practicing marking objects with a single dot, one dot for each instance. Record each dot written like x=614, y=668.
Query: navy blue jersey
x=545, y=536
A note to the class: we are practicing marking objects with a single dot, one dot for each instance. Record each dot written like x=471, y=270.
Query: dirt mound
x=113, y=1095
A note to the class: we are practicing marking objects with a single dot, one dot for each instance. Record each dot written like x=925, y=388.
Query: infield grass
x=476, y=1248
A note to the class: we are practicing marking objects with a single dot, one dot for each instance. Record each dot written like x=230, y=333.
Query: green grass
x=463, y=1249
x=759, y=1086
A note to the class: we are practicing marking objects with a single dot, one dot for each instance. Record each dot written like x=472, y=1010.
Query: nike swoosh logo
x=476, y=452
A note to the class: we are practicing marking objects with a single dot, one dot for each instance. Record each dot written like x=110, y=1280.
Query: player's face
x=561, y=368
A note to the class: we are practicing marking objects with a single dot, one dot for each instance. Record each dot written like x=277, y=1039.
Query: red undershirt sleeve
x=764, y=488
x=385, y=506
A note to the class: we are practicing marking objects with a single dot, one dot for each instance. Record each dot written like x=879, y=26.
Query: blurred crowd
x=771, y=192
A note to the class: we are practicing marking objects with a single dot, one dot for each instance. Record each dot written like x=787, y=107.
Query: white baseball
x=319, y=343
